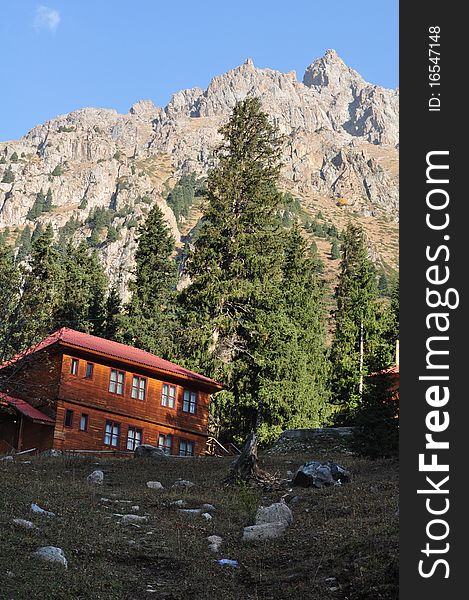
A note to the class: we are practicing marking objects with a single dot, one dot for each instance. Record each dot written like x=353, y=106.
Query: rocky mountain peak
x=331, y=71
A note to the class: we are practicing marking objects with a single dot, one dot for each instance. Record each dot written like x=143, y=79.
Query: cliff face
x=342, y=137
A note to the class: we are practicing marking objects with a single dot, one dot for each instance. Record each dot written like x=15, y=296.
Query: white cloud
x=46, y=18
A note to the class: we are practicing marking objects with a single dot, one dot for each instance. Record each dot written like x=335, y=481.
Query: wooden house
x=75, y=391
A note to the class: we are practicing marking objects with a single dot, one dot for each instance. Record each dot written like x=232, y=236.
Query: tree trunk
x=245, y=466
x=360, y=385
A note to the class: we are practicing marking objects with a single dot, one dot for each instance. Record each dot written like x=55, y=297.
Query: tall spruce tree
x=11, y=281
x=112, y=327
x=42, y=290
x=241, y=323
x=356, y=324
x=83, y=291
x=150, y=315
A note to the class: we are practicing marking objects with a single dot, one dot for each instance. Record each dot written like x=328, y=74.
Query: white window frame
x=189, y=403
x=168, y=399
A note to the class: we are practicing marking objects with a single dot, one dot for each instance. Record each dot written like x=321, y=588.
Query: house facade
x=75, y=391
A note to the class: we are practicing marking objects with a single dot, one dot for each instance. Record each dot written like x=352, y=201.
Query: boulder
x=96, y=477
x=317, y=474
x=207, y=516
x=6, y=459
x=275, y=513
x=208, y=507
x=266, y=531
x=148, y=451
x=182, y=483
x=155, y=485
x=52, y=554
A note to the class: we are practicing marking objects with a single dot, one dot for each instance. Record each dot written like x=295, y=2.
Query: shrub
x=57, y=171
x=8, y=176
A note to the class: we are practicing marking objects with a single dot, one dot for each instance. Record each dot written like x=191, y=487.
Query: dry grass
x=349, y=533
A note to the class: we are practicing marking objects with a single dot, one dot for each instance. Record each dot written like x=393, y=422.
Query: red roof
x=33, y=413
x=94, y=343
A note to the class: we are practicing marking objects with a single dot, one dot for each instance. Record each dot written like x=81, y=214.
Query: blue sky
x=61, y=55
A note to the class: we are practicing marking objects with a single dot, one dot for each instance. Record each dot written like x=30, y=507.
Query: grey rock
x=190, y=511
x=35, y=508
x=275, y=513
x=207, y=516
x=132, y=519
x=6, y=459
x=182, y=483
x=208, y=507
x=317, y=474
x=24, y=523
x=52, y=554
x=265, y=531
x=52, y=453
x=148, y=451
x=96, y=477
x=155, y=485
x=215, y=541
x=179, y=503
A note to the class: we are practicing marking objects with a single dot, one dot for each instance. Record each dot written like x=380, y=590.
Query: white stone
x=24, y=523
x=207, y=516
x=155, y=485
x=208, y=507
x=96, y=477
x=179, y=503
x=6, y=459
x=40, y=511
x=190, y=511
x=215, y=542
x=275, y=513
x=52, y=554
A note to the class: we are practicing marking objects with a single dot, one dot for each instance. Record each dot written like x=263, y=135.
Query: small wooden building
x=75, y=391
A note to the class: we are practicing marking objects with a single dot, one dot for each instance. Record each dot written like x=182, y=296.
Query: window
x=190, y=401
x=116, y=382
x=68, y=422
x=134, y=438
x=186, y=448
x=168, y=397
x=112, y=433
x=89, y=370
x=84, y=422
x=139, y=386
x=74, y=366
x=165, y=442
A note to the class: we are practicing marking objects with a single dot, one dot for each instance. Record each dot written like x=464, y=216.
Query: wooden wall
x=71, y=438
x=149, y=414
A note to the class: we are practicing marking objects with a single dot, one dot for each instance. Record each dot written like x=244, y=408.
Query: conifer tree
x=356, y=330
x=11, y=280
x=113, y=321
x=150, y=316
x=239, y=323
x=83, y=291
x=42, y=289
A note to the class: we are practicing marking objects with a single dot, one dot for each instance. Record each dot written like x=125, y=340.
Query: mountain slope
x=340, y=158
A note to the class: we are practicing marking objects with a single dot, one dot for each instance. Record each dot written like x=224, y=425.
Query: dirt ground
x=343, y=543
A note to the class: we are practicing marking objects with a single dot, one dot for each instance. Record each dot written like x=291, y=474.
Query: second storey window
x=168, y=397
x=116, y=382
x=89, y=370
x=112, y=433
x=134, y=438
x=68, y=421
x=74, y=366
x=84, y=422
x=190, y=401
x=139, y=386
